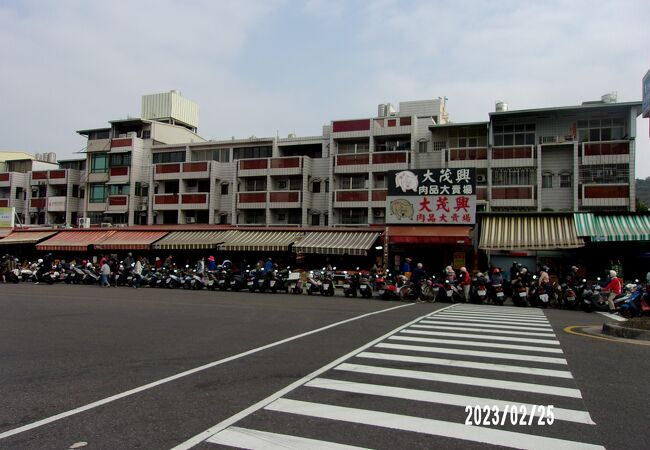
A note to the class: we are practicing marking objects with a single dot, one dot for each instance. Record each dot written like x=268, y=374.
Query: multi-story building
x=119, y=157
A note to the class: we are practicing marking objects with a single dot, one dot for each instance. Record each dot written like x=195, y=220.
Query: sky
x=272, y=67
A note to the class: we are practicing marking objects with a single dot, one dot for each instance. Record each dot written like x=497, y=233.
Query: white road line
x=612, y=316
x=504, y=311
x=254, y=439
x=195, y=440
x=485, y=325
x=482, y=318
x=476, y=344
x=483, y=330
x=468, y=364
x=484, y=337
x=463, y=352
x=177, y=376
x=460, y=312
x=427, y=426
x=464, y=380
x=569, y=415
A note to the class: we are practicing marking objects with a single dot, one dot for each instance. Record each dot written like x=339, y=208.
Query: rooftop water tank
x=501, y=106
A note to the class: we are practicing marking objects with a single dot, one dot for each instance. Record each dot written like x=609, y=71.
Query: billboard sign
x=431, y=197
x=645, y=108
x=7, y=217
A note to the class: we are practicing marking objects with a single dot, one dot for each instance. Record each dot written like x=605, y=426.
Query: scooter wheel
x=309, y=292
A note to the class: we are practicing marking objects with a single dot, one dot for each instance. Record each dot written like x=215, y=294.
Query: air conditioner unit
x=84, y=222
x=190, y=219
x=481, y=179
x=106, y=224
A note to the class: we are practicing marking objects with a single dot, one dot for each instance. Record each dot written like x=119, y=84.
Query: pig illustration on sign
x=406, y=180
x=402, y=208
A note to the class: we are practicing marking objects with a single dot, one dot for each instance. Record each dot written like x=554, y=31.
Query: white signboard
x=7, y=217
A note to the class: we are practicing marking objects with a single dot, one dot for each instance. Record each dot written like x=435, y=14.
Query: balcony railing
x=168, y=168
x=390, y=158
x=379, y=195
x=38, y=203
x=119, y=171
x=285, y=197
x=467, y=154
x=4, y=202
x=40, y=175
x=606, y=191
x=513, y=193
x=4, y=176
x=605, y=148
x=353, y=159
x=253, y=164
x=57, y=174
x=166, y=199
x=194, y=198
x=195, y=166
x=118, y=200
x=352, y=196
x=481, y=193
x=121, y=142
x=252, y=197
x=521, y=152
x=285, y=163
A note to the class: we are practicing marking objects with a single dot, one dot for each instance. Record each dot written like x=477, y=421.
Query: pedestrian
x=647, y=277
x=465, y=281
x=158, y=263
x=614, y=288
x=105, y=272
x=406, y=268
x=212, y=265
x=137, y=273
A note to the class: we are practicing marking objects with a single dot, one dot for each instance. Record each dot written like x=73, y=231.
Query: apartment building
x=119, y=157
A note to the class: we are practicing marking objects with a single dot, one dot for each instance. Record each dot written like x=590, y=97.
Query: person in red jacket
x=614, y=288
x=465, y=281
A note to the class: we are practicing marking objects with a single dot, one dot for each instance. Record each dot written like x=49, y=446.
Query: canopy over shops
x=131, y=240
x=26, y=237
x=337, y=243
x=74, y=241
x=192, y=240
x=542, y=232
x=612, y=228
x=260, y=241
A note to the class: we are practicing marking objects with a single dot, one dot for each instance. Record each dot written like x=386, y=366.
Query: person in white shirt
x=137, y=273
x=105, y=272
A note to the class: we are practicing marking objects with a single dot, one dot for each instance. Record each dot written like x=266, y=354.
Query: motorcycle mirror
x=323, y=269
x=357, y=268
x=345, y=272
x=584, y=280
x=636, y=280
x=534, y=277
x=187, y=266
x=334, y=268
x=598, y=278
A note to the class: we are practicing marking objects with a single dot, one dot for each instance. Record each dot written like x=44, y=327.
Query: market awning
x=189, y=240
x=429, y=234
x=74, y=241
x=260, y=241
x=26, y=237
x=336, y=242
x=529, y=233
x=4, y=232
x=607, y=228
x=131, y=240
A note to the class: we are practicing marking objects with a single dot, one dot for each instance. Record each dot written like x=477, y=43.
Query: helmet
x=269, y=259
x=40, y=260
x=497, y=270
x=545, y=268
x=89, y=265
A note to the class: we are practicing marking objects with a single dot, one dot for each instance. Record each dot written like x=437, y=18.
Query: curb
x=613, y=329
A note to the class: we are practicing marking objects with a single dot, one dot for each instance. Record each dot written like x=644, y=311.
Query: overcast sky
x=266, y=67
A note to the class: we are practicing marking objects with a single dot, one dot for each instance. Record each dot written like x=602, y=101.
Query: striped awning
x=607, y=228
x=5, y=232
x=26, y=237
x=74, y=241
x=189, y=240
x=529, y=233
x=131, y=240
x=429, y=234
x=260, y=241
x=336, y=242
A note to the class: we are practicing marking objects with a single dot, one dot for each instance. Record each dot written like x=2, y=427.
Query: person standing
x=406, y=268
x=104, y=273
x=614, y=288
x=137, y=273
x=465, y=281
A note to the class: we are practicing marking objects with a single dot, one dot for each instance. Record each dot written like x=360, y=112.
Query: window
x=423, y=146
x=221, y=155
x=467, y=137
x=120, y=159
x=315, y=187
x=253, y=152
x=255, y=216
x=565, y=180
x=326, y=220
x=223, y=218
x=439, y=146
x=99, y=134
x=138, y=188
x=75, y=191
x=282, y=217
x=315, y=220
x=99, y=163
x=596, y=130
x=519, y=134
x=380, y=181
x=354, y=216
x=327, y=185
x=97, y=193
x=547, y=180
x=19, y=193
x=169, y=157
x=353, y=147
x=393, y=146
x=146, y=134
x=353, y=182
x=605, y=173
x=255, y=184
x=516, y=176
x=224, y=188
x=118, y=189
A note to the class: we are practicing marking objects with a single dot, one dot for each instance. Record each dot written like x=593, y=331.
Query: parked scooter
x=351, y=284
x=327, y=283
x=294, y=283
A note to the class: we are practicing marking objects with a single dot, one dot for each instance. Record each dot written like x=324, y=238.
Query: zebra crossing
x=424, y=383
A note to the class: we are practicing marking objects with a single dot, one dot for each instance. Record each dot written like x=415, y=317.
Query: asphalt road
x=64, y=347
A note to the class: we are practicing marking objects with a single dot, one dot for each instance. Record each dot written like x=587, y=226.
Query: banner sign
x=431, y=197
x=645, y=103
x=7, y=217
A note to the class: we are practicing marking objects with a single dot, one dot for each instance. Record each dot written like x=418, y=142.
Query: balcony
x=98, y=177
x=5, y=179
x=352, y=163
x=253, y=167
x=351, y=198
x=165, y=201
x=98, y=145
x=513, y=196
x=58, y=176
x=351, y=128
x=119, y=174
x=168, y=171
x=605, y=195
x=56, y=203
x=98, y=206
x=39, y=176
x=384, y=126
x=291, y=165
x=251, y=200
x=118, y=203
x=514, y=156
x=200, y=169
x=37, y=203
x=195, y=200
x=611, y=152
x=467, y=157
x=481, y=193
x=4, y=202
x=122, y=143
x=285, y=199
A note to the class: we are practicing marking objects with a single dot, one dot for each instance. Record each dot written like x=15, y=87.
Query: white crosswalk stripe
x=443, y=363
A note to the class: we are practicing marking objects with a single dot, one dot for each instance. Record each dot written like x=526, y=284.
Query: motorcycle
x=327, y=284
x=451, y=293
x=314, y=283
x=638, y=303
x=480, y=294
x=237, y=281
x=519, y=293
x=569, y=296
x=497, y=296
x=538, y=295
x=351, y=284
x=294, y=283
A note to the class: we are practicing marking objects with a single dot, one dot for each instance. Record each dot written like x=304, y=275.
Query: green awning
x=612, y=228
